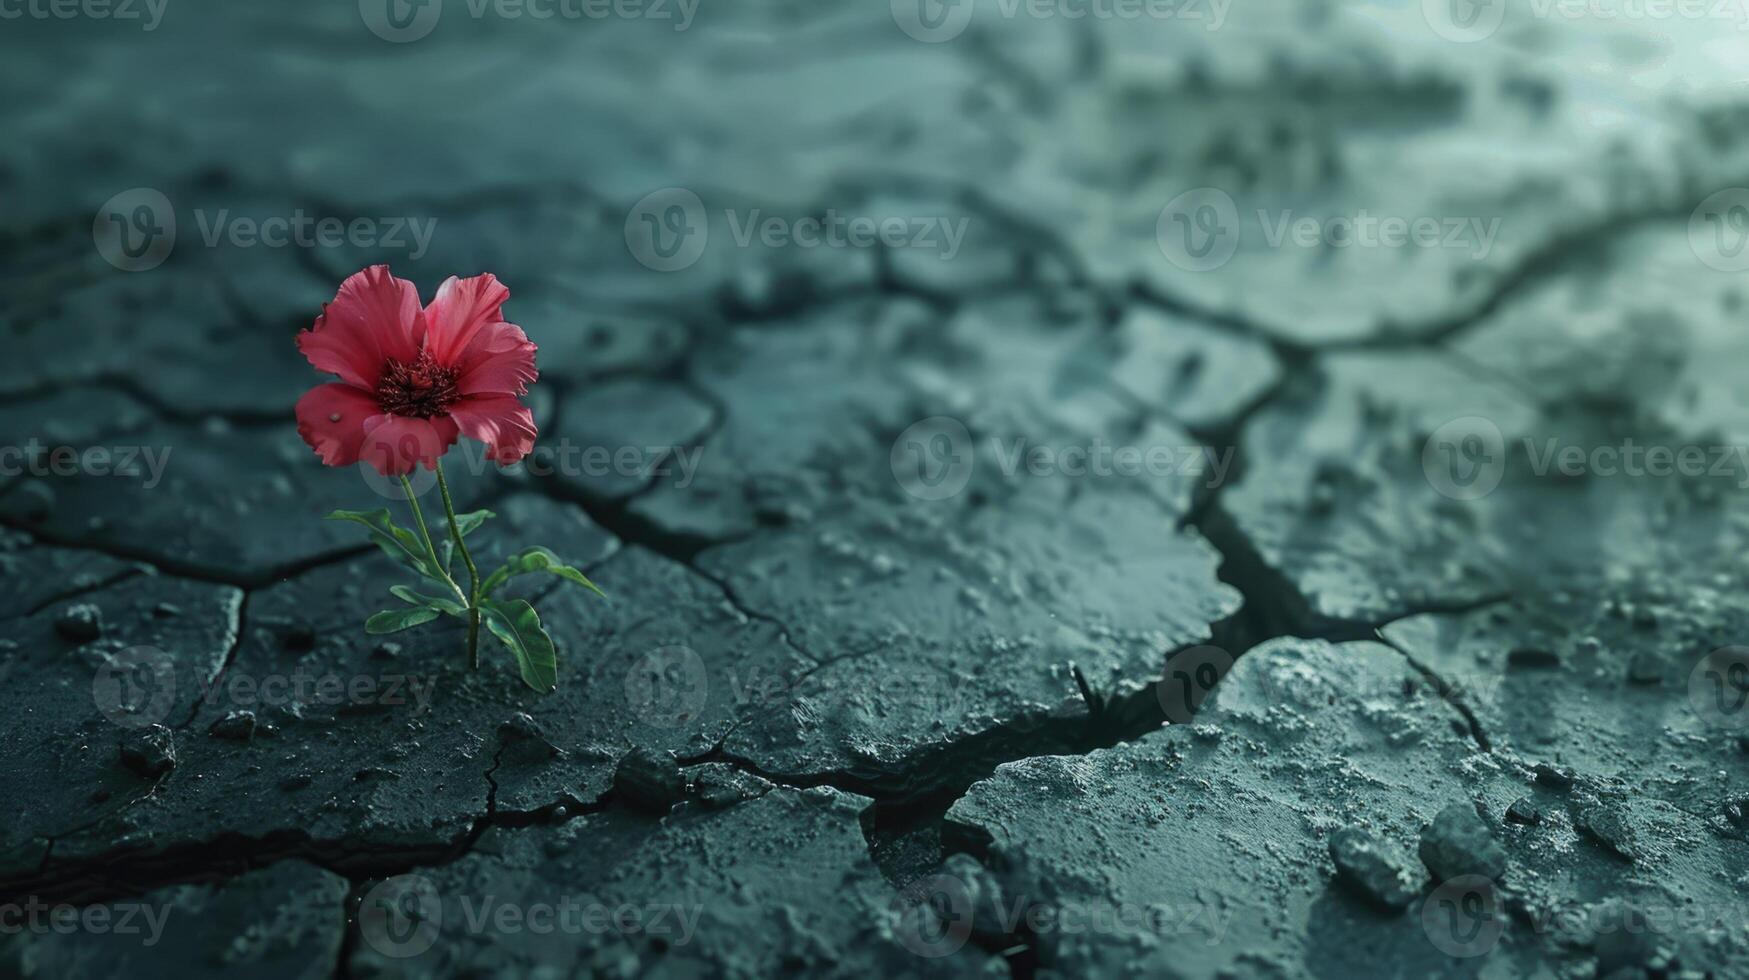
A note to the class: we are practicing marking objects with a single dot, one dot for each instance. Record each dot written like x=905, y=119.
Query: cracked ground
x=1218, y=490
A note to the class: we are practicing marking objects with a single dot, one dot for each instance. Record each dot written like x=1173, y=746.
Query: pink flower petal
x=504, y=424
x=499, y=361
x=331, y=419
x=462, y=308
x=394, y=444
x=374, y=318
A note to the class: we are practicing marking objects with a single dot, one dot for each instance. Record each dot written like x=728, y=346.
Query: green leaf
x=440, y=604
x=396, y=620
x=536, y=559
x=397, y=542
x=516, y=623
x=470, y=522
x=467, y=524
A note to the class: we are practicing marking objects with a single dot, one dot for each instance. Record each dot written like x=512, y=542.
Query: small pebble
x=1458, y=843
x=150, y=752
x=1378, y=873
x=520, y=725
x=1553, y=777
x=238, y=725
x=81, y=622
x=650, y=780
x=1606, y=826
x=1532, y=657
x=1522, y=811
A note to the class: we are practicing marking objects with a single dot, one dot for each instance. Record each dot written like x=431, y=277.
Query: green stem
x=430, y=548
x=455, y=534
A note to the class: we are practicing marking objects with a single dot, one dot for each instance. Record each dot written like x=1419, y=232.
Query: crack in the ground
x=1451, y=693
x=214, y=860
x=193, y=571
x=239, y=633
x=1548, y=258
x=78, y=591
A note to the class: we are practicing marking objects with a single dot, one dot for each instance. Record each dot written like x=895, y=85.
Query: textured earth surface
x=1051, y=526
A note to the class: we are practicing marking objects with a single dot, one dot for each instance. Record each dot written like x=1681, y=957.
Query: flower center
x=421, y=390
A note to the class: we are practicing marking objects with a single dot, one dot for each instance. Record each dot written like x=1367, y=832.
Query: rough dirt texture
x=873, y=695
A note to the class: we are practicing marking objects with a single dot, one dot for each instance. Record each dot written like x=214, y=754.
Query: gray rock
x=150, y=753
x=81, y=622
x=649, y=780
x=238, y=725
x=1377, y=871
x=1458, y=842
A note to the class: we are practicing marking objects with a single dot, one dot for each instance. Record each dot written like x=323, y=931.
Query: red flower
x=412, y=379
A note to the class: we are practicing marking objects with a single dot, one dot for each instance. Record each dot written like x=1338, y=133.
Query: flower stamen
x=423, y=389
